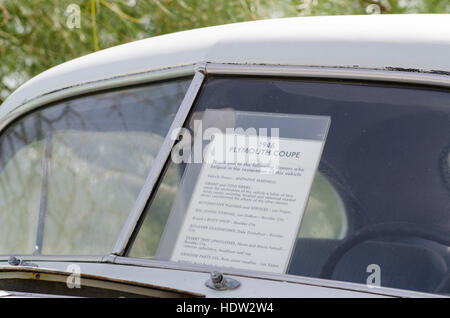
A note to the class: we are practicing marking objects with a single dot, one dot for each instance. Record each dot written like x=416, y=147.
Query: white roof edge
x=377, y=41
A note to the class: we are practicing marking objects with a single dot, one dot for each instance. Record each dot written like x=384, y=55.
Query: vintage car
x=103, y=193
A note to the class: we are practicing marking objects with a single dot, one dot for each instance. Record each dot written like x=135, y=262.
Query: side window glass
x=70, y=173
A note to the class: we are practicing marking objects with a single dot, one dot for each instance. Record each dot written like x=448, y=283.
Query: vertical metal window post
x=158, y=165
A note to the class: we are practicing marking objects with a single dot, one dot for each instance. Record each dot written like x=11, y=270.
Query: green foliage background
x=34, y=35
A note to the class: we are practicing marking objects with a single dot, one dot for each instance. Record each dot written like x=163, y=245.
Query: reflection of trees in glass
x=325, y=215
x=79, y=166
x=155, y=218
x=20, y=184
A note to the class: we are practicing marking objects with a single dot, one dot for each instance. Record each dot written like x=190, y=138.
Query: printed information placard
x=245, y=212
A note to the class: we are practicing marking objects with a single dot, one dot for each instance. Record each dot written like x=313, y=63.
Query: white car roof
x=419, y=42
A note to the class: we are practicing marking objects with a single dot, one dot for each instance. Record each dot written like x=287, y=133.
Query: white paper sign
x=243, y=216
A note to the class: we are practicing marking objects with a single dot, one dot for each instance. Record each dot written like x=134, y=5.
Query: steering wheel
x=383, y=230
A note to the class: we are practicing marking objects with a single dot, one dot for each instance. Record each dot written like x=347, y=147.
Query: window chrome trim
x=57, y=258
x=91, y=87
x=350, y=73
x=158, y=165
x=295, y=279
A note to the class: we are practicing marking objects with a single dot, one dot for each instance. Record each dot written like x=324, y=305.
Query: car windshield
x=359, y=192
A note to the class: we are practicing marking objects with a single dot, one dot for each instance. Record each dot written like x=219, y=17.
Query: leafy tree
x=38, y=34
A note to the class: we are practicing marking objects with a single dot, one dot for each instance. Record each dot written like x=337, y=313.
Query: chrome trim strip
x=386, y=75
x=318, y=282
x=90, y=87
x=304, y=280
x=44, y=194
x=57, y=258
x=158, y=165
